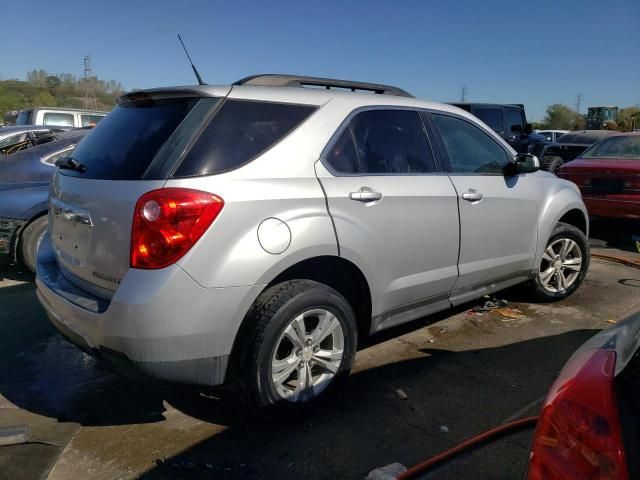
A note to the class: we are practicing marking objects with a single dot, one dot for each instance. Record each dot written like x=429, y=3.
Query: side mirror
x=522, y=163
x=528, y=129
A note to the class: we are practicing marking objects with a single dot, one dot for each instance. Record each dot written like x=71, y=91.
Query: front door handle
x=472, y=195
x=365, y=195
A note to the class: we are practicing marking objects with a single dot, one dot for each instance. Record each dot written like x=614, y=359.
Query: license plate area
x=71, y=232
x=606, y=186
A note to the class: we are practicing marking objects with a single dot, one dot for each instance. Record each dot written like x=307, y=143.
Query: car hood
x=623, y=337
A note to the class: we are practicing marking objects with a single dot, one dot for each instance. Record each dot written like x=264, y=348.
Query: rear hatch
x=132, y=151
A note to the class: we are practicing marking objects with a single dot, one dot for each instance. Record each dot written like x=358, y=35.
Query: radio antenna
x=195, y=70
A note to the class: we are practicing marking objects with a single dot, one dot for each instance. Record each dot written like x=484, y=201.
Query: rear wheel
x=29, y=240
x=303, y=342
x=564, y=263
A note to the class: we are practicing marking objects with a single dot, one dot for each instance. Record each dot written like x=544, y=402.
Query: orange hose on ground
x=614, y=258
x=427, y=465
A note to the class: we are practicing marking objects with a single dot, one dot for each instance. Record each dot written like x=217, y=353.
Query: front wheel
x=564, y=264
x=29, y=241
x=303, y=341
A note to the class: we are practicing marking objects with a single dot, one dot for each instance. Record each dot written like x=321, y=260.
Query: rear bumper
x=607, y=207
x=159, y=322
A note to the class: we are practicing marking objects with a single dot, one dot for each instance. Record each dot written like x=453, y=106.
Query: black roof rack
x=276, y=80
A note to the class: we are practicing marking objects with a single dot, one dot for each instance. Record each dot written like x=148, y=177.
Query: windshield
x=627, y=147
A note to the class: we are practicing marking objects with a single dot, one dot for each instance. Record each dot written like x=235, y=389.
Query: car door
x=515, y=130
x=395, y=215
x=498, y=213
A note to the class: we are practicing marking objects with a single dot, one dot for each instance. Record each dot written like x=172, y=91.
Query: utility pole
x=463, y=94
x=90, y=102
x=578, y=102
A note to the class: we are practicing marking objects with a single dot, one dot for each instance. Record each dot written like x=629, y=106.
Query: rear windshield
x=123, y=144
x=622, y=146
x=239, y=132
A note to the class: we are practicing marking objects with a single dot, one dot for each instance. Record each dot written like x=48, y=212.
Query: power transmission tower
x=463, y=94
x=90, y=102
x=578, y=102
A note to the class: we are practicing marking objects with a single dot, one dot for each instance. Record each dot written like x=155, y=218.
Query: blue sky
x=536, y=53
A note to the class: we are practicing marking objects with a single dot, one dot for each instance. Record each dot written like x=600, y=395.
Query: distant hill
x=42, y=89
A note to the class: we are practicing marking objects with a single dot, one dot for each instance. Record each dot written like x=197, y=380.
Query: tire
x=553, y=163
x=272, y=342
x=29, y=240
x=571, y=265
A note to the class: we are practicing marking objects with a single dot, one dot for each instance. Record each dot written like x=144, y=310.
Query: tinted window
x=90, y=120
x=392, y=141
x=470, y=150
x=123, y=144
x=491, y=116
x=623, y=146
x=343, y=157
x=59, y=119
x=513, y=117
x=24, y=117
x=239, y=132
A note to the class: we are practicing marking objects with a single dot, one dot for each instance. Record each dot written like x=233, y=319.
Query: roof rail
x=277, y=80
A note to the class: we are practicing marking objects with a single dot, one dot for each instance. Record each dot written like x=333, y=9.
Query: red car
x=608, y=174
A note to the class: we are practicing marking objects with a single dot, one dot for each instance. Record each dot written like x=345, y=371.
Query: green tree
x=53, y=83
x=626, y=117
x=561, y=117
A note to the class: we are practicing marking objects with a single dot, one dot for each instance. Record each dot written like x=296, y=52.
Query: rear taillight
x=578, y=434
x=168, y=222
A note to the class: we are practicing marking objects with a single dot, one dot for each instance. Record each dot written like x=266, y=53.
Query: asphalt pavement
x=414, y=391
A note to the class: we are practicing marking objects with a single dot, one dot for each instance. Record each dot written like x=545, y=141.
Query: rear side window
x=123, y=144
x=470, y=150
x=386, y=142
x=58, y=119
x=239, y=132
x=90, y=120
x=492, y=117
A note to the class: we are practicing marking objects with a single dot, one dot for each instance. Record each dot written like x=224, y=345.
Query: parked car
x=24, y=186
x=552, y=135
x=570, y=146
x=14, y=139
x=510, y=122
x=60, y=117
x=608, y=175
x=589, y=427
x=251, y=233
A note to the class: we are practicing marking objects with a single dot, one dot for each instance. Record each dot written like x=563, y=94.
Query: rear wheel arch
x=336, y=272
x=23, y=237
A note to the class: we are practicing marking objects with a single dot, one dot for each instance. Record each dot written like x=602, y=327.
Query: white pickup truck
x=59, y=117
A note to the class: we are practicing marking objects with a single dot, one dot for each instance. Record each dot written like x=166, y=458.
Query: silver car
x=252, y=233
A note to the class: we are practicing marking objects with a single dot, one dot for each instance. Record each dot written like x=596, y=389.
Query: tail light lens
x=168, y=222
x=578, y=434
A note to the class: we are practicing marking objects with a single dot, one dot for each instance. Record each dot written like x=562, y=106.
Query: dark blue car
x=24, y=186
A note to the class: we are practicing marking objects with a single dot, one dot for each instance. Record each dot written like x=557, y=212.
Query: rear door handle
x=472, y=195
x=365, y=195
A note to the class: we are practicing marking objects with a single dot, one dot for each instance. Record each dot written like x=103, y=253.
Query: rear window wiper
x=70, y=163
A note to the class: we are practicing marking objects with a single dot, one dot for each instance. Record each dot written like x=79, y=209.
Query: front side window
x=492, y=117
x=514, y=119
x=470, y=150
x=238, y=133
x=58, y=119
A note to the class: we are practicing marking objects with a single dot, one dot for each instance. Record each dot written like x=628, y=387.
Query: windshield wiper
x=70, y=163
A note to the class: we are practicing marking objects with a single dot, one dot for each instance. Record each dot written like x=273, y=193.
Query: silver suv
x=252, y=232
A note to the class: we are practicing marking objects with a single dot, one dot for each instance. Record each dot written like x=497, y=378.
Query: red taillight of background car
x=578, y=434
x=168, y=222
